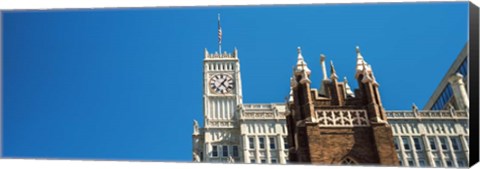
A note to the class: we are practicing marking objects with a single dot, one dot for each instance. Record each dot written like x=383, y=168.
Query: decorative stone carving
x=342, y=118
x=196, y=129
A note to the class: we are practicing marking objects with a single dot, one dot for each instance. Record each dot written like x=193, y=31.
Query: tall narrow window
x=272, y=143
x=214, y=151
x=251, y=143
x=395, y=142
x=418, y=143
x=406, y=144
x=225, y=151
x=455, y=145
x=285, y=143
x=433, y=146
x=410, y=163
x=235, y=151
x=449, y=163
x=443, y=141
x=261, y=142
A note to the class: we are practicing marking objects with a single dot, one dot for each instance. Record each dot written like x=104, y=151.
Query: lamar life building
x=333, y=124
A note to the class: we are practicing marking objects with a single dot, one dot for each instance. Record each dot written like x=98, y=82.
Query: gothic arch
x=348, y=161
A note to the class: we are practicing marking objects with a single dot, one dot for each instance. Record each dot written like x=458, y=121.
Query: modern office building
x=438, y=135
x=453, y=89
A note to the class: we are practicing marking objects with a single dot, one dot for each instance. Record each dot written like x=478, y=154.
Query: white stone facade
x=231, y=127
x=263, y=130
x=431, y=138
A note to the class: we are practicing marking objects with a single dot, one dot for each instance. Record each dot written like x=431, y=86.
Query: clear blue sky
x=127, y=83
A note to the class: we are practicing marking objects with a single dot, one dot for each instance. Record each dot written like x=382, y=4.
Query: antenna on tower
x=219, y=36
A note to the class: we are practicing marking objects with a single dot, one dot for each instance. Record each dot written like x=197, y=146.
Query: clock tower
x=218, y=140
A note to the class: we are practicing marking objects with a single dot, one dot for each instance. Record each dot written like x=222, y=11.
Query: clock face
x=221, y=83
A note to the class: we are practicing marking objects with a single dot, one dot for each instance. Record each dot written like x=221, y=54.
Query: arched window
x=348, y=161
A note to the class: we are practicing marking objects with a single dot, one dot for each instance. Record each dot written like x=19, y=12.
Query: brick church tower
x=334, y=125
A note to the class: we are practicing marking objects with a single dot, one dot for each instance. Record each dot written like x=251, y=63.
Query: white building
x=233, y=131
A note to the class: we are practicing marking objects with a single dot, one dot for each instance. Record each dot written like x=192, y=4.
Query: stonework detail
x=346, y=118
x=328, y=127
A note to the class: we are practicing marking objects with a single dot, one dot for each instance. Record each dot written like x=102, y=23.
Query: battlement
x=222, y=56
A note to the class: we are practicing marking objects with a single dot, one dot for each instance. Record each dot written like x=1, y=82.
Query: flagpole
x=219, y=36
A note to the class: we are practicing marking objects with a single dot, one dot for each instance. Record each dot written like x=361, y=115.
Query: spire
x=299, y=51
x=219, y=36
x=332, y=71
x=324, y=69
x=347, y=87
x=360, y=61
x=359, y=55
x=301, y=64
x=235, y=52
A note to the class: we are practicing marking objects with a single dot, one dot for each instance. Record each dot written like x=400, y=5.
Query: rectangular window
x=214, y=151
x=421, y=163
x=443, y=141
x=406, y=144
x=225, y=151
x=461, y=163
x=455, y=144
x=449, y=163
x=261, y=141
x=395, y=142
x=272, y=143
x=263, y=161
x=252, y=160
x=438, y=163
x=285, y=143
x=433, y=146
x=235, y=151
x=400, y=162
x=251, y=143
x=273, y=161
x=410, y=163
x=418, y=143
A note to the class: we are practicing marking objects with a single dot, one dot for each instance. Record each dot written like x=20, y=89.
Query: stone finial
x=301, y=64
x=324, y=69
x=206, y=53
x=235, y=52
x=332, y=71
x=347, y=87
x=196, y=128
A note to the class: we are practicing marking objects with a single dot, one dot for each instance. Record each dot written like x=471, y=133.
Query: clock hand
x=222, y=84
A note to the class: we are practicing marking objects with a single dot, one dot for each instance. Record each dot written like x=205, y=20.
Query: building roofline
x=453, y=68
